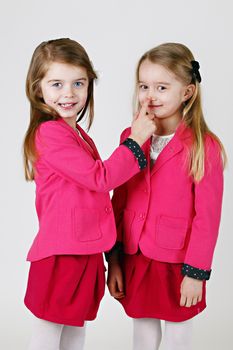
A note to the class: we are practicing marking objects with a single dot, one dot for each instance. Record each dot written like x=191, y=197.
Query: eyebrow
x=163, y=83
x=56, y=80
x=158, y=83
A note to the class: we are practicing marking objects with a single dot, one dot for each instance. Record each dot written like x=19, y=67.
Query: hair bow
x=195, y=70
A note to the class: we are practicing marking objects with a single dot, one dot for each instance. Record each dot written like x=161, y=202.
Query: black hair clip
x=195, y=70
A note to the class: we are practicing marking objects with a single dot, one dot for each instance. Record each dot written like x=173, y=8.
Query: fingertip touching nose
x=151, y=95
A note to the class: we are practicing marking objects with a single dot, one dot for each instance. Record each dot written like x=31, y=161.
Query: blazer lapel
x=183, y=135
x=89, y=142
x=169, y=151
x=146, y=149
x=85, y=140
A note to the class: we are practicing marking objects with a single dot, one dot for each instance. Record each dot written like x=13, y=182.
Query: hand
x=143, y=125
x=191, y=291
x=115, y=280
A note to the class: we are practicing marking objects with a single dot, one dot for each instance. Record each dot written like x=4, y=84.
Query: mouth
x=67, y=106
x=154, y=106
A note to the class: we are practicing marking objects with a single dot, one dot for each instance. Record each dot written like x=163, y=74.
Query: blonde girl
x=168, y=215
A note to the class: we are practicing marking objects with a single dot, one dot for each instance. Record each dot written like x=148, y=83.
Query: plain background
x=115, y=34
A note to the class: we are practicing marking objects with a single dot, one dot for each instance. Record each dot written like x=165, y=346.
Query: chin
x=68, y=116
x=159, y=116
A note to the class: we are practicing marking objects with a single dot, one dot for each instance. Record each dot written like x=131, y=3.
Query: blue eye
x=78, y=84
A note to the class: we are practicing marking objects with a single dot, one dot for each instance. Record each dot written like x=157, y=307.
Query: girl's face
x=65, y=89
x=165, y=92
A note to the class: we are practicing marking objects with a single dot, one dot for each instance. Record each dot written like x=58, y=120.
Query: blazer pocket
x=86, y=224
x=171, y=232
x=128, y=219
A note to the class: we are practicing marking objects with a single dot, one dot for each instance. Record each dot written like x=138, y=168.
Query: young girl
x=66, y=279
x=168, y=215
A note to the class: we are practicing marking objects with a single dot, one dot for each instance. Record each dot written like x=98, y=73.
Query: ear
x=188, y=92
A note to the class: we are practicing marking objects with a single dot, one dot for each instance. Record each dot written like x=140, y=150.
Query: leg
x=72, y=338
x=45, y=335
x=146, y=334
x=178, y=335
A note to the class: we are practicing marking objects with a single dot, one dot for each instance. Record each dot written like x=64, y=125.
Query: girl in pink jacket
x=76, y=223
x=168, y=215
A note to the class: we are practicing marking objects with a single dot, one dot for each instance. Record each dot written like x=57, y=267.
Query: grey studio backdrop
x=115, y=34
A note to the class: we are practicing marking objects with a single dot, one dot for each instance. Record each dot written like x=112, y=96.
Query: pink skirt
x=66, y=289
x=152, y=290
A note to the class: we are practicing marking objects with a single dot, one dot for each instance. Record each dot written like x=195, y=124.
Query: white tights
x=52, y=336
x=147, y=334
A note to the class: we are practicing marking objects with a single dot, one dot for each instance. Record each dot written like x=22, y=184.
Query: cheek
x=50, y=102
x=48, y=99
x=83, y=96
x=45, y=95
x=142, y=97
x=169, y=99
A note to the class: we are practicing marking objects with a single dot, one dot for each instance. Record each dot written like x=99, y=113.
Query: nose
x=151, y=94
x=68, y=92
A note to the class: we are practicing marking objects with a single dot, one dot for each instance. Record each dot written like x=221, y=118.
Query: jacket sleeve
x=60, y=151
x=118, y=203
x=208, y=203
x=119, y=200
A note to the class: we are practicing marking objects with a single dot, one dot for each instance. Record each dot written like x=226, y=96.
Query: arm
x=115, y=276
x=208, y=202
x=60, y=151
x=119, y=199
x=115, y=281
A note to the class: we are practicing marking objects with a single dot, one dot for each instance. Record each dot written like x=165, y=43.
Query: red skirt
x=152, y=290
x=66, y=289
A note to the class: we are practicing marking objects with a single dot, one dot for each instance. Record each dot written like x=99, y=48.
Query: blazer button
x=142, y=216
x=108, y=210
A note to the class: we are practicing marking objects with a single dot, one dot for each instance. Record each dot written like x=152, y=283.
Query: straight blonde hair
x=63, y=51
x=177, y=58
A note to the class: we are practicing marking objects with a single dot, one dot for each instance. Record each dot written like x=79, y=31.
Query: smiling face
x=65, y=88
x=165, y=92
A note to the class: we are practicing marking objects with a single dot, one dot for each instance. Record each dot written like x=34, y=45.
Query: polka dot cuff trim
x=137, y=151
x=196, y=273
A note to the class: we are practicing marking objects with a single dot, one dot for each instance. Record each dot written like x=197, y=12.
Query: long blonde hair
x=63, y=51
x=177, y=58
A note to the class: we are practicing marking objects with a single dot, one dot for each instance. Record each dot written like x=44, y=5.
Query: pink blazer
x=165, y=213
x=72, y=184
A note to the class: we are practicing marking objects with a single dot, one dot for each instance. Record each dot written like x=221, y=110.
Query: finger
x=199, y=298
x=182, y=300
x=195, y=300
x=144, y=108
x=188, y=302
x=135, y=116
x=119, y=295
x=151, y=116
x=116, y=288
x=120, y=284
x=112, y=288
